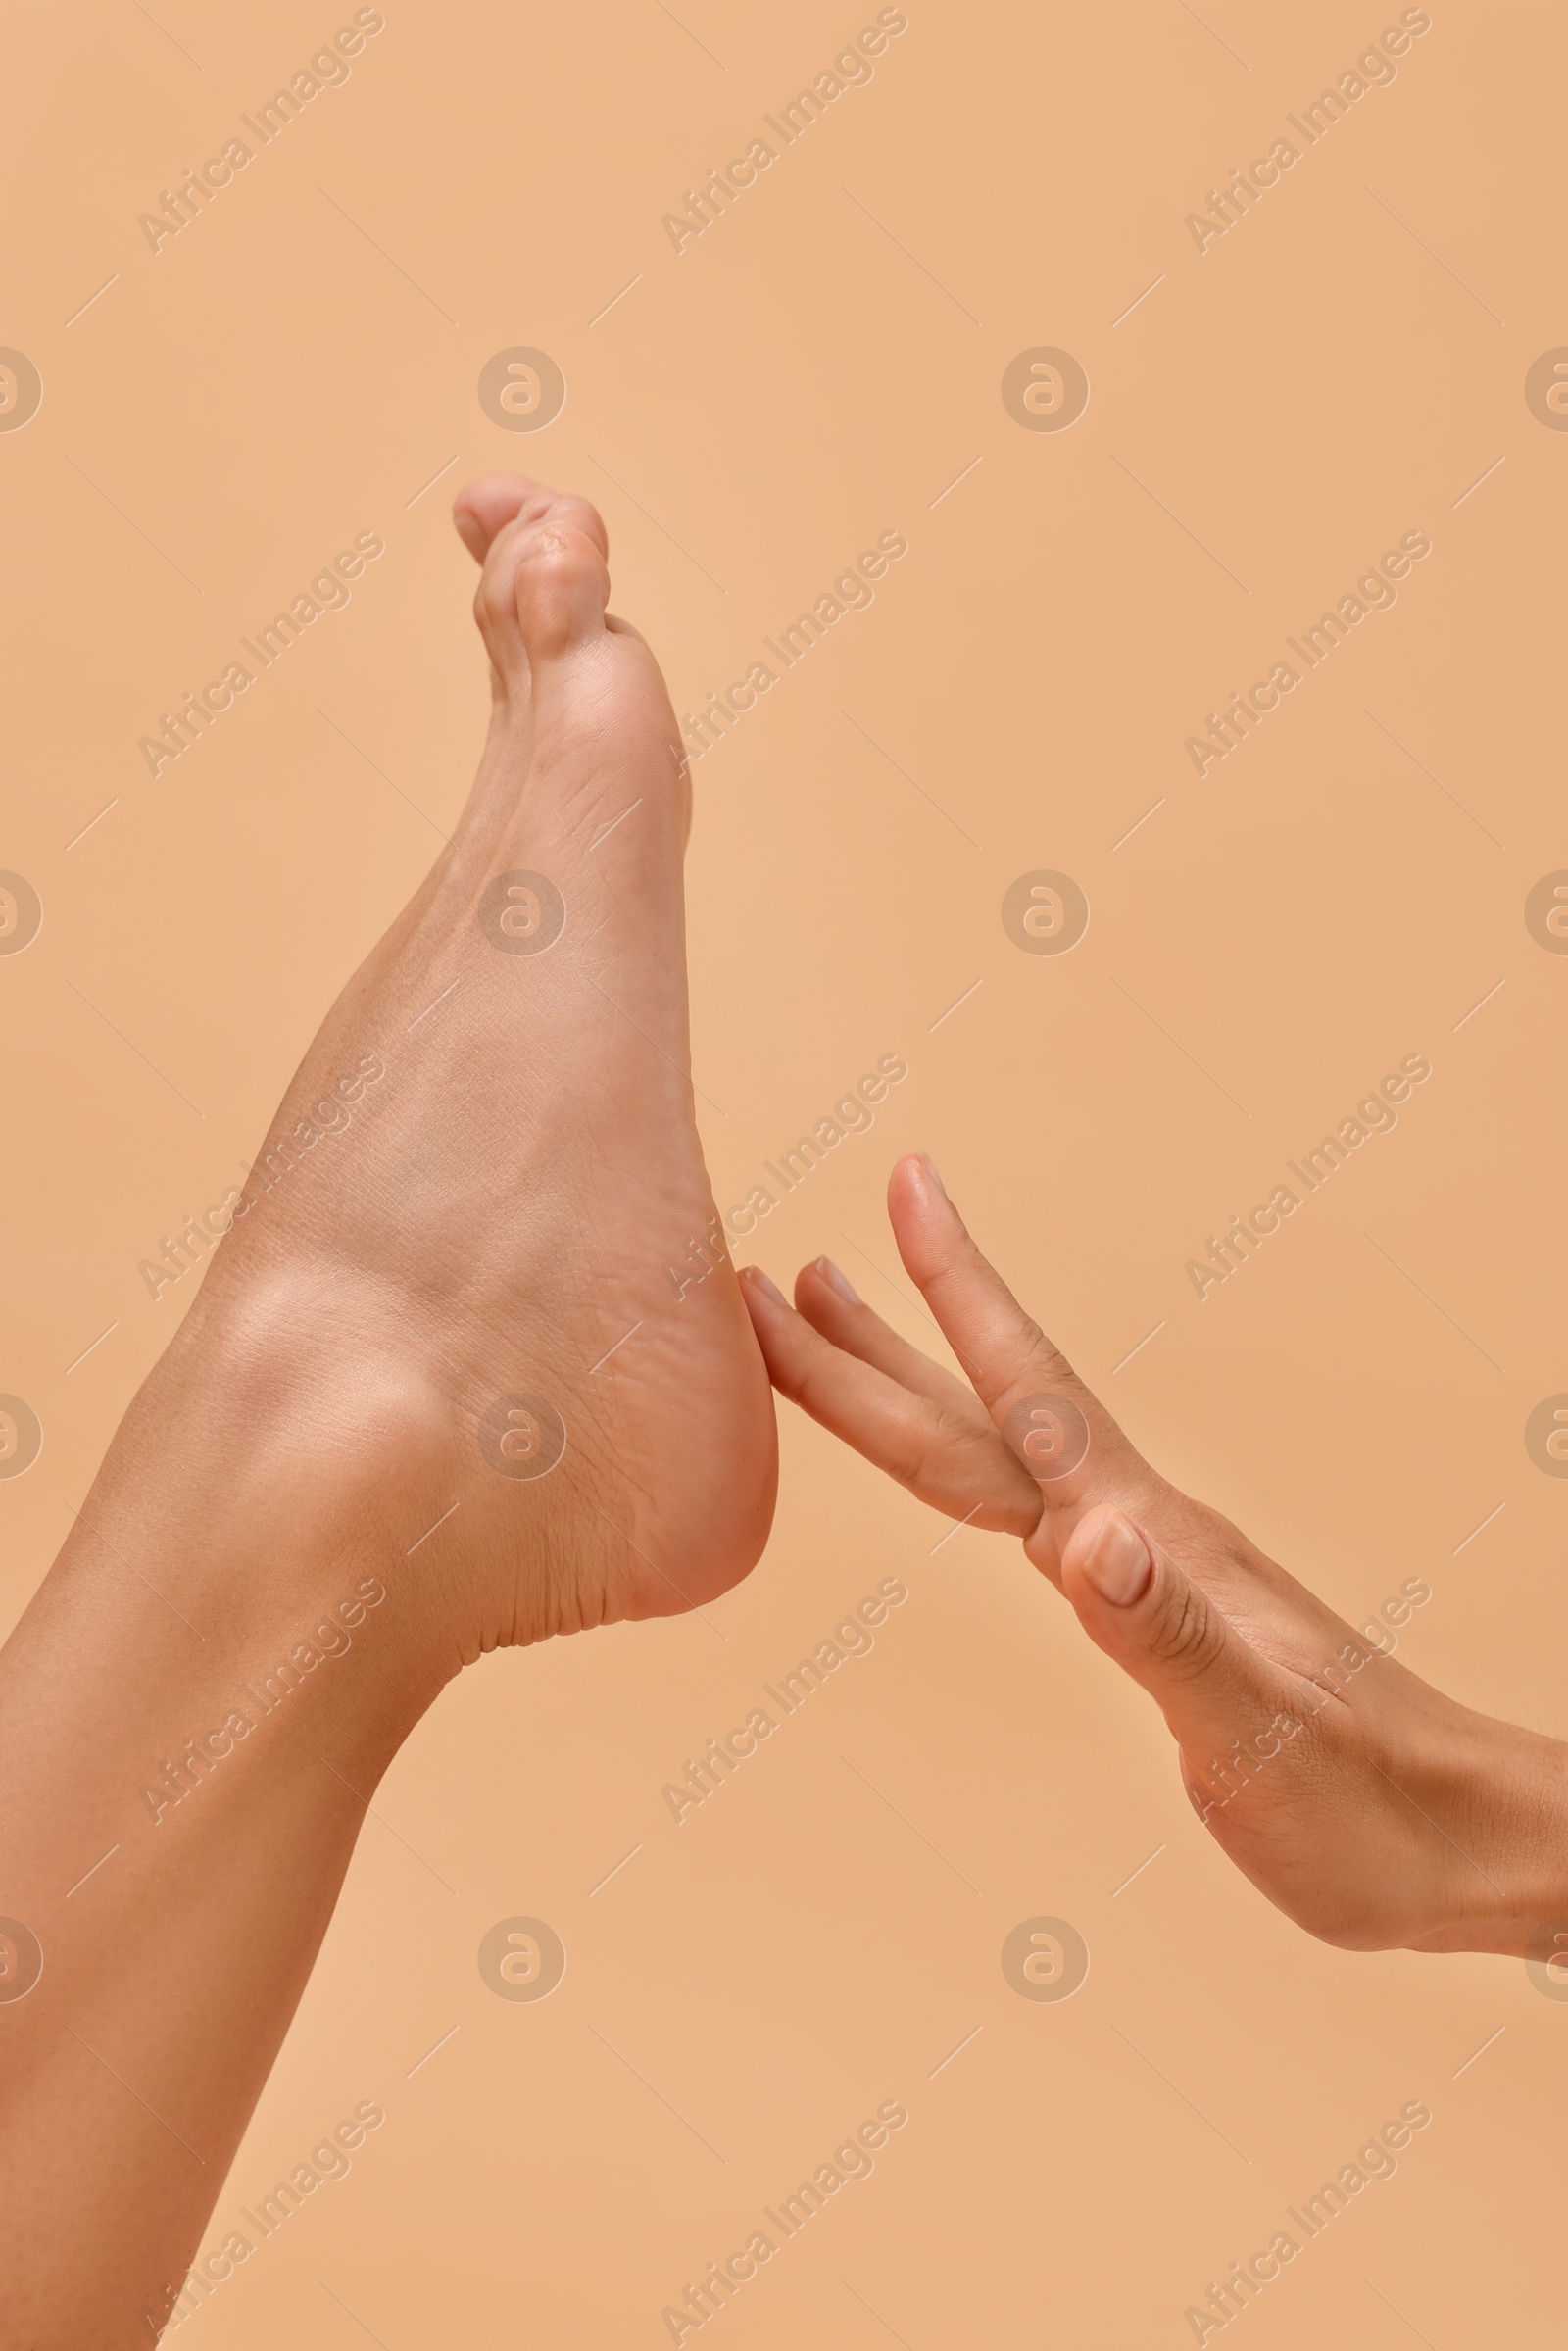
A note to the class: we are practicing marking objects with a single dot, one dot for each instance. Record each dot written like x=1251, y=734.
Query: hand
x=1370, y=1808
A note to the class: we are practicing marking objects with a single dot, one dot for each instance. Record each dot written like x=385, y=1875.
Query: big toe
x=561, y=586
x=545, y=582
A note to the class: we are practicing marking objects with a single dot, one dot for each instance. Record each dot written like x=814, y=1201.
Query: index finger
x=1055, y=1426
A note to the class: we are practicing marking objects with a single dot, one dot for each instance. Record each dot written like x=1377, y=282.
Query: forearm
x=193, y=1713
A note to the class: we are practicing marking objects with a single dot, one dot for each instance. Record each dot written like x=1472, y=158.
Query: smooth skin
x=1371, y=1809
x=493, y=1217
x=474, y=1191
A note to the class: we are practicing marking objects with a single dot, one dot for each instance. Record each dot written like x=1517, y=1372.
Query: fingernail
x=929, y=1164
x=838, y=1280
x=1118, y=1565
x=769, y=1286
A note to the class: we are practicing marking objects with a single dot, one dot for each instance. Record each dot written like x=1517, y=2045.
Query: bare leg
x=472, y=1193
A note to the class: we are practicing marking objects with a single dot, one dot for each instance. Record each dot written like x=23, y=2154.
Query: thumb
x=1228, y=1706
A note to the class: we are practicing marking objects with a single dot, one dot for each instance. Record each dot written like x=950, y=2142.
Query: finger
x=1002, y=1349
x=943, y=1460
x=831, y=1304
x=1220, y=1696
x=1052, y=1424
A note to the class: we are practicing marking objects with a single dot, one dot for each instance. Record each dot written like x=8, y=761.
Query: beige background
x=296, y=366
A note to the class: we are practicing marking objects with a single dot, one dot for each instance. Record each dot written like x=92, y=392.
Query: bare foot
x=482, y=1208
x=1372, y=1809
x=440, y=1391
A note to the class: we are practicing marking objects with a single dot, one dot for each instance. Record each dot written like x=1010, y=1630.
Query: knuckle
x=546, y=544
x=1188, y=1635
x=920, y=1463
x=795, y=1376
x=931, y=1450
x=1026, y=1332
x=1045, y=1360
x=1050, y=1357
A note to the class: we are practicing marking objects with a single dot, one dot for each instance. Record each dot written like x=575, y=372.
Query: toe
x=561, y=586
x=485, y=505
x=545, y=581
x=582, y=713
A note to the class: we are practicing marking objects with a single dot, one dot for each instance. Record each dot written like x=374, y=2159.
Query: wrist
x=1526, y=1796
x=1509, y=1875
